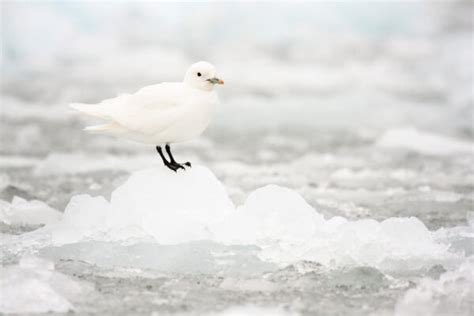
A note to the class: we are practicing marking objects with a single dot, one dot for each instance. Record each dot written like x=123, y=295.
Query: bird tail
x=89, y=109
x=102, y=128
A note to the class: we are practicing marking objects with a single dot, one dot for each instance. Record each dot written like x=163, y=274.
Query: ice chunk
x=171, y=207
x=271, y=213
x=452, y=294
x=159, y=206
x=423, y=142
x=34, y=286
x=83, y=218
x=23, y=212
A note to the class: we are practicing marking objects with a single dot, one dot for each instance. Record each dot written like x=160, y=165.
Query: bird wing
x=149, y=110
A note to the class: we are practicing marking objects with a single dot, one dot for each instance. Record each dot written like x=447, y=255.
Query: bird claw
x=175, y=166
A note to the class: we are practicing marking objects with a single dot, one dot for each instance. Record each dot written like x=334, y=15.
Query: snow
x=167, y=208
x=34, y=286
x=23, y=212
x=424, y=142
x=452, y=294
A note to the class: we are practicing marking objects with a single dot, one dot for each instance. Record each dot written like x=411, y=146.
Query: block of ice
x=23, y=212
x=159, y=206
x=83, y=218
x=423, y=142
x=270, y=214
x=34, y=286
x=452, y=294
x=170, y=207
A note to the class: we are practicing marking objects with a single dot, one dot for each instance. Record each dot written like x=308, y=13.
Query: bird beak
x=216, y=80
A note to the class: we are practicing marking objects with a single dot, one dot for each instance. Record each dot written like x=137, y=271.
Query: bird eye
x=199, y=74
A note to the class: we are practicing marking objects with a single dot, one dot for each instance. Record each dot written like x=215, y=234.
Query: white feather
x=161, y=113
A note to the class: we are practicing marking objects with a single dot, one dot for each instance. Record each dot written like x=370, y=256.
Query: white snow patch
x=193, y=205
x=34, y=286
x=452, y=294
x=23, y=212
x=424, y=142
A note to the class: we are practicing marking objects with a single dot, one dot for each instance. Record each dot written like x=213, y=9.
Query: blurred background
x=315, y=65
x=365, y=108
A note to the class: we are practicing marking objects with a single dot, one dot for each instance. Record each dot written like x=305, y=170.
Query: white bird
x=160, y=114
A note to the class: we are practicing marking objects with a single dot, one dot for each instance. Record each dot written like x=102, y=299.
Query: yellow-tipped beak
x=216, y=81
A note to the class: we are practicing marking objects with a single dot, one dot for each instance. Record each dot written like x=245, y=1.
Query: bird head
x=202, y=75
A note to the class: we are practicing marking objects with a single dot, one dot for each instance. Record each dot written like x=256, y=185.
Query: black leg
x=166, y=162
x=168, y=150
x=160, y=152
x=172, y=161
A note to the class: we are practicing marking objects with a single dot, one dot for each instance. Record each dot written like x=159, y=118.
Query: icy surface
x=254, y=310
x=23, y=212
x=171, y=208
x=192, y=206
x=359, y=114
x=451, y=294
x=424, y=143
x=34, y=286
x=82, y=163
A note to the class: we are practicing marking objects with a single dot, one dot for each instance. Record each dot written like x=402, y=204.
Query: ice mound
x=170, y=207
x=424, y=143
x=23, y=212
x=165, y=208
x=270, y=214
x=452, y=294
x=34, y=286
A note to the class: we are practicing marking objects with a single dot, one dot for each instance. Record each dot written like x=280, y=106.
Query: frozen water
x=451, y=294
x=199, y=257
x=34, y=286
x=424, y=143
x=149, y=207
x=171, y=208
x=23, y=212
x=81, y=163
x=319, y=101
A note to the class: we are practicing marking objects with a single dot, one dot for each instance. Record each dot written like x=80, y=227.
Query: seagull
x=160, y=114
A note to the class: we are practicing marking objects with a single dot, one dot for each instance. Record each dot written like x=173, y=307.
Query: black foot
x=171, y=164
x=175, y=166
